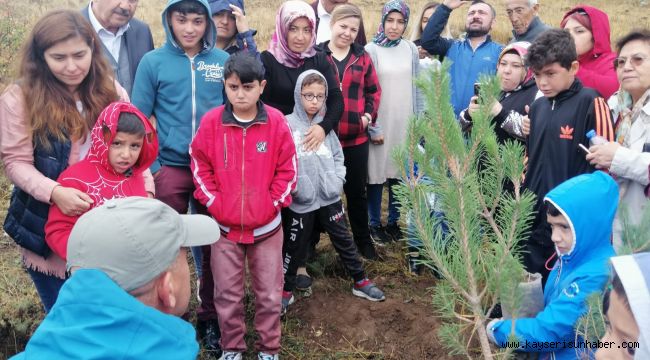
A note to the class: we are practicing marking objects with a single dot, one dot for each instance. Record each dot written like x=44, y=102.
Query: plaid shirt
x=361, y=93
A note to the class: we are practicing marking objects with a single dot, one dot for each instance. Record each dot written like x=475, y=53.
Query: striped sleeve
x=603, y=119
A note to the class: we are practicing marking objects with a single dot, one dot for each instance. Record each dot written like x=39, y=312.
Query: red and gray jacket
x=244, y=175
x=361, y=94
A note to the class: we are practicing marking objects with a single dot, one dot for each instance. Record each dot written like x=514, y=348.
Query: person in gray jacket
x=317, y=196
x=124, y=40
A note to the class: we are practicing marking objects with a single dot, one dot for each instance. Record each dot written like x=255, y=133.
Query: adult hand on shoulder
x=601, y=156
x=525, y=125
x=240, y=19
x=70, y=201
x=313, y=138
x=455, y=4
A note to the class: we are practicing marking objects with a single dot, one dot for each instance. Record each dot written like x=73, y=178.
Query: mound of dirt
x=344, y=326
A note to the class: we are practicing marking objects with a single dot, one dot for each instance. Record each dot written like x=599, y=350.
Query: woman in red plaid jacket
x=361, y=93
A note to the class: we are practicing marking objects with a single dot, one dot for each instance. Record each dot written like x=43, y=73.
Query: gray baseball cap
x=135, y=239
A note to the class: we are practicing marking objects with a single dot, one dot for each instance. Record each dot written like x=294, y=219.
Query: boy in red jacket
x=244, y=168
x=123, y=144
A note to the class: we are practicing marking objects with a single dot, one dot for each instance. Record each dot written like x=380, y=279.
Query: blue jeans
x=47, y=286
x=374, y=203
x=414, y=242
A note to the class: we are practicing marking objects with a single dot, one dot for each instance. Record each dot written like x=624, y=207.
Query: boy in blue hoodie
x=175, y=85
x=580, y=212
x=317, y=197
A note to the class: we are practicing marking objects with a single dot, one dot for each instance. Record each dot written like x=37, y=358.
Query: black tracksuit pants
x=297, y=234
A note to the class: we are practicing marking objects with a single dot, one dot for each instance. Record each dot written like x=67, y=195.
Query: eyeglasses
x=311, y=97
x=635, y=60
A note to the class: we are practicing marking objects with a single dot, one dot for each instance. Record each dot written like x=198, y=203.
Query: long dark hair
x=50, y=107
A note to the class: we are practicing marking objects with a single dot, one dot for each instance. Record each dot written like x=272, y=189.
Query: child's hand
x=240, y=19
x=379, y=140
x=313, y=138
x=70, y=201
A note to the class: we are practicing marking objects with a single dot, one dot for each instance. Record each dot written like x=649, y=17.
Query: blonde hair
x=345, y=11
x=416, y=28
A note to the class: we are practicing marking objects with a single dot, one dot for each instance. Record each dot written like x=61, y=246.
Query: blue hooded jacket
x=589, y=202
x=178, y=90
x=93, y=318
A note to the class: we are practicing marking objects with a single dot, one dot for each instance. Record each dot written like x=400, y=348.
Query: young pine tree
x=478, y=256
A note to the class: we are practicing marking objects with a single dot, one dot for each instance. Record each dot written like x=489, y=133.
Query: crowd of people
x=108, y=141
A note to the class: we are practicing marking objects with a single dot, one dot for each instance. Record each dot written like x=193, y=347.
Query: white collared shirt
x=323, y=33
x=113, y=42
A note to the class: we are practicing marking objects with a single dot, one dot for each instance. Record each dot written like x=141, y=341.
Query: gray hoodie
x=321, y=173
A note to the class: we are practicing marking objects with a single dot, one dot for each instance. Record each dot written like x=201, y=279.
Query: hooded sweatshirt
x=589, y=203
x=96, y=177
x=242, y=40
x=634, y=272
x=597, y=65
x=321, y=173
x=179, y=90
x=94, y=318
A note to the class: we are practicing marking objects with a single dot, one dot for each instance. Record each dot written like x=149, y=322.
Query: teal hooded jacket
x=589, y=202
x=93, y=318
x=179, y=89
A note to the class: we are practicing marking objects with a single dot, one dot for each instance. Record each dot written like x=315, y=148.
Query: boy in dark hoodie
x=176, y=85
x=123, y=144
x=317, y=196
x=233, y=33
x=559, y=123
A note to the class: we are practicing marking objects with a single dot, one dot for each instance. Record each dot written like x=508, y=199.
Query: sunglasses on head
x=635, y=60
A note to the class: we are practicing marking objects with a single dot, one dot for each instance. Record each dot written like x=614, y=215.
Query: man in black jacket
x=124, y=39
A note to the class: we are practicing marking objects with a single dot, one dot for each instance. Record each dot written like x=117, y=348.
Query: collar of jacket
x=357, y=50
x=565, y=94
x=532, y=26
x=228, y=118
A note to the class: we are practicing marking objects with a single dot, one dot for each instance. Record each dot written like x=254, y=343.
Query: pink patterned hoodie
x=96, y=177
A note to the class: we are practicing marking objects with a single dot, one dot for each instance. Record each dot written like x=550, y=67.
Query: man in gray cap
x=130, y=283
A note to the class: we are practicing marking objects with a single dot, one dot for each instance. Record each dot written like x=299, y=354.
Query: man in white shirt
x=124, y=39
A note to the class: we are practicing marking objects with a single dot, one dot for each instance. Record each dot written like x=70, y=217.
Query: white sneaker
x=230, y=355
x=265, y=356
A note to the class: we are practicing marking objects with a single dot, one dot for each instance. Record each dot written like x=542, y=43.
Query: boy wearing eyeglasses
x=559, y=122
x=317, y=197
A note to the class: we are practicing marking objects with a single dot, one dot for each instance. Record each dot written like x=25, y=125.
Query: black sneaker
x=209, y=336
x=415, y=267
x=378, y=235
x=394, y=232
x=303, y=282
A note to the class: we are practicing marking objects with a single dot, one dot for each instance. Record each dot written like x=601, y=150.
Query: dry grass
x=19, y=307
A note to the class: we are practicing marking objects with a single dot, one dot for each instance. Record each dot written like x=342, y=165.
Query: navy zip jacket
x=467, y=64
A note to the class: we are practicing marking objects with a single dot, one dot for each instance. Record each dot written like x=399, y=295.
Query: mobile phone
x=477, y=88
x=584, y=148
